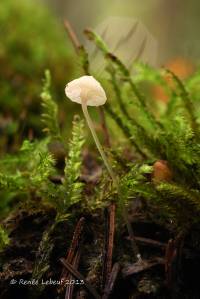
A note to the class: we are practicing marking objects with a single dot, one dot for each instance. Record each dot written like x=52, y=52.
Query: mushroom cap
x=87, y=89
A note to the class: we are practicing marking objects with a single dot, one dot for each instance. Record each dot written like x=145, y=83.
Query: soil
x=170, y=268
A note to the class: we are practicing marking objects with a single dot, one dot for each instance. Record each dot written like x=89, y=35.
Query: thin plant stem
x=72, y=35
x=97, y=142
x=110, y=171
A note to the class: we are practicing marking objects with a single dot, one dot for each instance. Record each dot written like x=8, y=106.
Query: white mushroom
x=87, y=91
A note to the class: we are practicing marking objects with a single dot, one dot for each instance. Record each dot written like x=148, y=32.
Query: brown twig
x=79, y=276
x=74, y=249
x=76, y=238
x=106, y=230
x=111, y=237
x=72, y=35
x=70, y=287
x=80, y=50
x=140, y=267
x=108, y=243
x=111, y=282
x=170, y=255
x=150, y=242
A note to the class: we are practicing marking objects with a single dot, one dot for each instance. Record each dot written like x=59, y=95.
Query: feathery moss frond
x=50, y=114
x=180, y=195
x=189, y=106
x=126, y=75
x=72, y=169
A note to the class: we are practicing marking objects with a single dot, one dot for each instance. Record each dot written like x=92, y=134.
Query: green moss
x=31, y=40
x=171, y=134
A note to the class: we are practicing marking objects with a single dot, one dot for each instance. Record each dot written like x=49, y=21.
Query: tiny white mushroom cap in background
x=86, y=89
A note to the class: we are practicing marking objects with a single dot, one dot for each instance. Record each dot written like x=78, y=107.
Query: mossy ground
x=51, y=176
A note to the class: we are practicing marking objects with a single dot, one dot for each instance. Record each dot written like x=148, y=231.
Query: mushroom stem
x=110, y=171
x=97, y=142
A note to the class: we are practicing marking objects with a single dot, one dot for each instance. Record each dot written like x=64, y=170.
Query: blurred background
x=174, y=23
x=32, y=39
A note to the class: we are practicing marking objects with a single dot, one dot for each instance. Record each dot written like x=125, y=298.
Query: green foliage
x=11, y=182
x=31, y=40
x=44, y=251
x=172, y=201
x=29, y=171
x=50, y=114
x=188, y=104
x=26, y=51
x=4, y=239
x=171, y=134
x=64, y=195
x=73, y=163
x=70, y=191
x=125, y=75
x=134, y=181
x=192, y=85
x=42, y=170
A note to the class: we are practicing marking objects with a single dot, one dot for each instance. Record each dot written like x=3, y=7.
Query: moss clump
x=31, y=40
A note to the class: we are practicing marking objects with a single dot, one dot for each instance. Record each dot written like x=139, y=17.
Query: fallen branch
x=109, y=241
x=79, y=276
x=73, y=254
x=70, y=287
x=142, y=266
x=111, y=282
